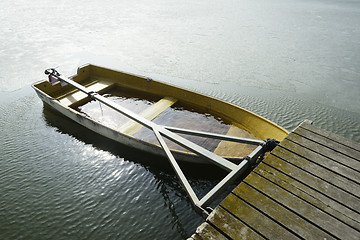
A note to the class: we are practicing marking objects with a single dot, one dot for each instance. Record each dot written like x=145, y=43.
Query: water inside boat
x=175, y=114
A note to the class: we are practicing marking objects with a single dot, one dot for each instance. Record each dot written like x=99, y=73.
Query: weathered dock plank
x=330, y=151
x=325, y=171
x=328, y=197
x=206, y=231
x=232, y=227
x=318, y=217
x=332, y=138
x=307, y=188
x=304, y=178
x=280, y=215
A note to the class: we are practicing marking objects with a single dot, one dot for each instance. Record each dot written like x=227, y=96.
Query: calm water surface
x=285, y=60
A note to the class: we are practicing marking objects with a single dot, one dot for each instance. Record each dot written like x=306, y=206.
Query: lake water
x=286, y=60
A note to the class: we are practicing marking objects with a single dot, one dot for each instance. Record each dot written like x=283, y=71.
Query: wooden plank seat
x=77, y=96
x=227, y=148
x=150, y=113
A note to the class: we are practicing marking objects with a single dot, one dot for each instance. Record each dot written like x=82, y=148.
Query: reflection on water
x=67, y=126
x=107, y=115
x=78, y=184
x=167, y=183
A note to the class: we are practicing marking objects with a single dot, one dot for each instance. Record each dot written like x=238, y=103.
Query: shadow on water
x=202, y=177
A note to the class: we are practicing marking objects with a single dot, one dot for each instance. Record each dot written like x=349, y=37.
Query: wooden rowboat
x=160, y=103
x=164, y=120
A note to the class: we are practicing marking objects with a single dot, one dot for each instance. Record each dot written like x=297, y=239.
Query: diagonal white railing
x=171, y=133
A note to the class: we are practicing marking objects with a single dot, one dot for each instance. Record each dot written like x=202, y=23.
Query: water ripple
x=65, y=188
x=288, y=110
x=56, y=185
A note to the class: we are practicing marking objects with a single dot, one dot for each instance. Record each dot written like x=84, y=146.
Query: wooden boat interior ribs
x=147, y=116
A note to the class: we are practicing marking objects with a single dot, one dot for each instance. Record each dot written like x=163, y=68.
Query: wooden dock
x=307, y=188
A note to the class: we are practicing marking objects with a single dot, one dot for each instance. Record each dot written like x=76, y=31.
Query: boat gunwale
x=204, y=96
x=77, y=113
x=179, y=154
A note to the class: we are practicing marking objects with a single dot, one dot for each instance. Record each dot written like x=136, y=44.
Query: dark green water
x=285, y=60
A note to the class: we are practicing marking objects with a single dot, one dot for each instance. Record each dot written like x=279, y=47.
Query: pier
x=308, y=187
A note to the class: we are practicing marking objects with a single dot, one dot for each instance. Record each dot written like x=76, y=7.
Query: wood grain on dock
x=308, y=187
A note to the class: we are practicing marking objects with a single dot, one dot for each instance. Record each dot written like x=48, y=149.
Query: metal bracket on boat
x=268, y=145
x=53, y=75
x=91, y=95
x=234, y=170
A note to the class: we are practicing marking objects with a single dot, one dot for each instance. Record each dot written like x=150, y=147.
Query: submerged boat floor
x=165, y=111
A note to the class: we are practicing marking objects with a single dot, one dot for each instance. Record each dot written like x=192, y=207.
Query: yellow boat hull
x=168, y=104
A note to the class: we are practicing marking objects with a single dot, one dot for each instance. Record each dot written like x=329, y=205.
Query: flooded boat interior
x=161, y=110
